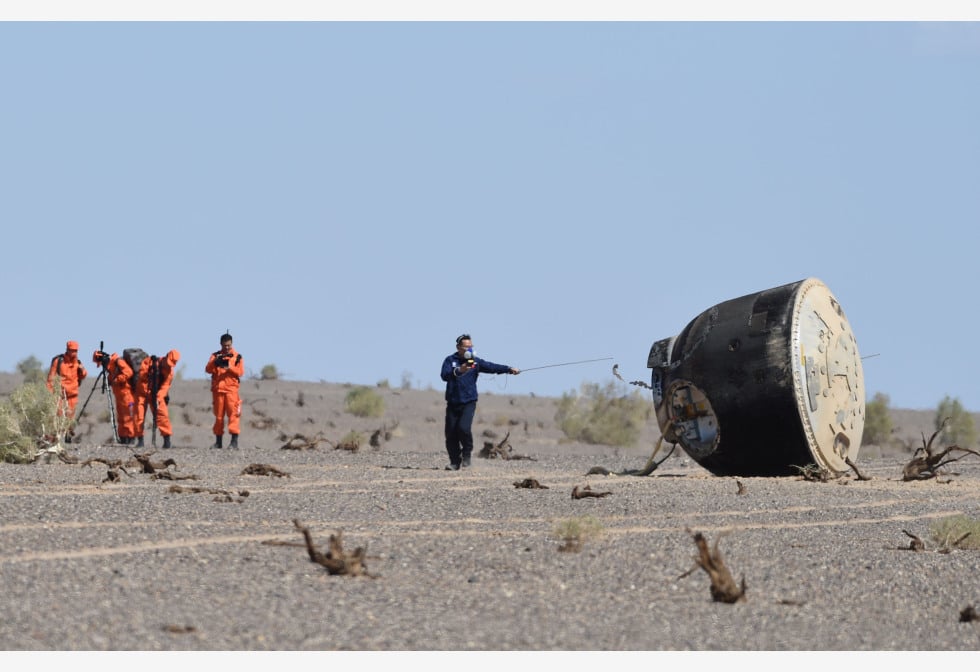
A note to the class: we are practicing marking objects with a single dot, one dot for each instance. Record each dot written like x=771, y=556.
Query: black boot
x=234, y=442
x=217, y=441
x=139, y=442
x=166, y=442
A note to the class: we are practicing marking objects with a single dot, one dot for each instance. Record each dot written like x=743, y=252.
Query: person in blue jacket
x=460, y=371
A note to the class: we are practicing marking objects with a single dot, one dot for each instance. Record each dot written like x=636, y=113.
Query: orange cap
x=73, y=345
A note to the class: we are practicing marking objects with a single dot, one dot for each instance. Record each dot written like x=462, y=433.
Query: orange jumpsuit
x=69, y=369
x=224, y=390
x=155, y=372
x=119, y=374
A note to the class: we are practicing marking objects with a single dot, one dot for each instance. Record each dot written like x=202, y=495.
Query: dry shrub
x=599, y=416
x=351, y=441
x=29, y=422
x=364, y=403
x=962, y=530
x=573, y=532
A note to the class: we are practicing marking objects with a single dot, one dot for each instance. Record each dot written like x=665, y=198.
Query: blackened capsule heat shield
x=763, y=384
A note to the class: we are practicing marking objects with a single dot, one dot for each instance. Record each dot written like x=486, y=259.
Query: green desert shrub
x=352, y=438
x=573, y=532
x=30, y=368
x=877, y=420
x=598, y=415
x=29, y=420
x=364, y=403
x=959, y=430
x=962, y=529
x=269, y=372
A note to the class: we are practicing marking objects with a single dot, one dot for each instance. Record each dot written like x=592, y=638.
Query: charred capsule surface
x=764, y=383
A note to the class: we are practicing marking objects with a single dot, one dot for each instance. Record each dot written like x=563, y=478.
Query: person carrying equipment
x=226, y=369
x=152, y=389
x=460, y=371
x=120, y=375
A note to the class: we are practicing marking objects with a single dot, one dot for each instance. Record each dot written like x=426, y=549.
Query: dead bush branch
x=860, y=476
x=382, y=434
x=951, y=545
x=502, y=450
x=723, y=586
x=150, y=467
x=221, y=495
x=587, y=491
x=302, y=442
x=916, y=544
x=651, y=465
x=350, y=446
x=263, y=470
x=531, y=483
x=170, y=476
x=336, y=560
x=114, y=467
x=812, y=472
x=925, y=463
x=263, y=423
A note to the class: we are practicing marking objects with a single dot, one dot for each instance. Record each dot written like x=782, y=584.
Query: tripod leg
x=91, y=392
x=112, y=415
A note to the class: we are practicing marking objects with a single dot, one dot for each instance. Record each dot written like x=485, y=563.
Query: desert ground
x=205, y=552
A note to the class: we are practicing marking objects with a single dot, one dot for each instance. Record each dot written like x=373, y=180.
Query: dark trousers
x=459, y=431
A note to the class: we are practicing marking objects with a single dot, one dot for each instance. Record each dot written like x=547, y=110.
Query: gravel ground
x=468, y=562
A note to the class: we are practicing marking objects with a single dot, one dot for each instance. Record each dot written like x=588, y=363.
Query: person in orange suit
x=69, y=369
x=119, y=374
x=226, y=369
x=153, y=390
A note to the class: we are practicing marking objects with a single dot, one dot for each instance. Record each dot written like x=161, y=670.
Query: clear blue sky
x=347, y=198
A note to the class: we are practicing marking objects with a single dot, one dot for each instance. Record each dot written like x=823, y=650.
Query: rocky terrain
x=204, y=550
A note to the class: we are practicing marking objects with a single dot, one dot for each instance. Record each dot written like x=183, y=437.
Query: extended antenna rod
x=548, y=366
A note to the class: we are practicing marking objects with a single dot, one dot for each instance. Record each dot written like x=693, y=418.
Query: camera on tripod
x=102, y=358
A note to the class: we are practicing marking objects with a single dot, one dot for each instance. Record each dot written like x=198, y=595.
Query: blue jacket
x=462, y=389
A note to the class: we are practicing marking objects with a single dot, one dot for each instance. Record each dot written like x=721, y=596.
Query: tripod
x=103, y=376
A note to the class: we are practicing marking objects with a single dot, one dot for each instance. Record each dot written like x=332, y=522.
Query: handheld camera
x=100, y=357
